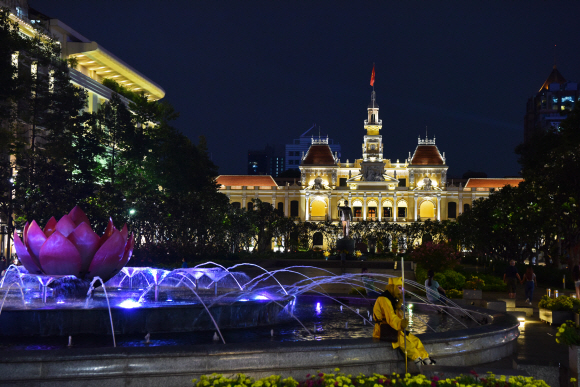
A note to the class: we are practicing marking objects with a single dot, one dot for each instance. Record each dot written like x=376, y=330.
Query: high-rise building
x=548, y=107
x=269, y=161
x=94, y=65
x=295, y=151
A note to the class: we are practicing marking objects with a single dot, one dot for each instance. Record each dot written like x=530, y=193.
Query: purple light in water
x=260, y=297
x=243, y=299
x=318, y=308
x=129, y=304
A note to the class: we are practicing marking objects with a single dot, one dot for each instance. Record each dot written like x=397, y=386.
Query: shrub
x=561, y=303
x=439, y=256
x=568, y=334
x=449, y=279
x=453, y=293
x=474, y=283
x=338, y=378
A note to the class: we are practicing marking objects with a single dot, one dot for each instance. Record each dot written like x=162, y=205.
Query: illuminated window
x=372, y=212
x=357, y=212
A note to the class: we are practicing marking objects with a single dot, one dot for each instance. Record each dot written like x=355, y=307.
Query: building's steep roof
x=319, y=155
x=492, y=183
x=554, y=77
x=246, y=180
x=427, y=155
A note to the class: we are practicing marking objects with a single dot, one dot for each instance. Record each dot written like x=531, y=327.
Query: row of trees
x=123, y=161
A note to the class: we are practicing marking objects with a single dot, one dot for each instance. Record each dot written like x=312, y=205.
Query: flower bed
x=376, y=380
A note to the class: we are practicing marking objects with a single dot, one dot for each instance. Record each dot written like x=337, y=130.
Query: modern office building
x=269, y=161
x=547, y=109
x=94, y=64
x=295, y=152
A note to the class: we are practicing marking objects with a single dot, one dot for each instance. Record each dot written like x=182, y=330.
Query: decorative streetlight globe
x=71, y=247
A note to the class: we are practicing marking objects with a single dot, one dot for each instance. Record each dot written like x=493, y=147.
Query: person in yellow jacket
x=387, y=309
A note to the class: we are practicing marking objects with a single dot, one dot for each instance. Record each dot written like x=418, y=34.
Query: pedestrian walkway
x=537, y=351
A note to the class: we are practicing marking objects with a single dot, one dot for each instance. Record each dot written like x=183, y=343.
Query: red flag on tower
x=373, y=76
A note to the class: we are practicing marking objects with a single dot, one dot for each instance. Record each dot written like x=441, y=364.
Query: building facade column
x=380, y=206
x=460, y=203
x=416, y=199
x=307, y=214
x=365, y=207
x=329, y=206
x=395, y=208
x=439, y=207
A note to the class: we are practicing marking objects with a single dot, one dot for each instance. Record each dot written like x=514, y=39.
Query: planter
x=556, y=317
x=470, y=294
x=573, y=358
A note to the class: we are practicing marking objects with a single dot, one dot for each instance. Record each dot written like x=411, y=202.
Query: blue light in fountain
x=261, y=297
x=129, y=304
x=318, y=308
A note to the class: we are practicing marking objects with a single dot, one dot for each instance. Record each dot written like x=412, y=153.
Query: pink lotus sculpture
x=71, y=247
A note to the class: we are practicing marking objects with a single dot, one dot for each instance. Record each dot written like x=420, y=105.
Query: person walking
x=511, y=278
x=530, y=284
x=433, y=289
x=576, y=277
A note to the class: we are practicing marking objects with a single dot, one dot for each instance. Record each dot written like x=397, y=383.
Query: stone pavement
x=537, y=350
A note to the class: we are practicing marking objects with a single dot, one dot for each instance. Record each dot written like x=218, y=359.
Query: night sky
x=250, y=73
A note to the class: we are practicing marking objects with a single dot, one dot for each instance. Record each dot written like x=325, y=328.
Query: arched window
x=427, y=209
x=402, y=209
x=250, y=206
x=387, y=209
x=294, y=208
x=317, y=239
x=466, y=207
x=281, y=207
x=357, y=208
x=236, y=205
x=451, y=210
x=372, y=209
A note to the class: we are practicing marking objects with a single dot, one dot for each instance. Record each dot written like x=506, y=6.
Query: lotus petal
x=108, y=231
x=124, y=231
x=58, y=256
x=65, y=225
x=35, y=238
x=25, y=232
x=50, y=227
x=108, y=257
x=87, y=243
x=25, y=257
x=78, y=216
x=128, y=252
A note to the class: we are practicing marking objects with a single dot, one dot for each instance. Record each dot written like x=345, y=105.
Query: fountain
x=183, y=323
x=282, y=320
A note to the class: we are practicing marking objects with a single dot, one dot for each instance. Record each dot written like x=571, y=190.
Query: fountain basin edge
x=168, y=366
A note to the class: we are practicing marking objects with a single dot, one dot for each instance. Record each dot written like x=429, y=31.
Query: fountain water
x=172, y=304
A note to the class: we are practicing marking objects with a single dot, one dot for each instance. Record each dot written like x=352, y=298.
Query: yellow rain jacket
x=384, y=311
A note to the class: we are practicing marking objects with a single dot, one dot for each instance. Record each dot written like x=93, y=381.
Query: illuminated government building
x=375, y=187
